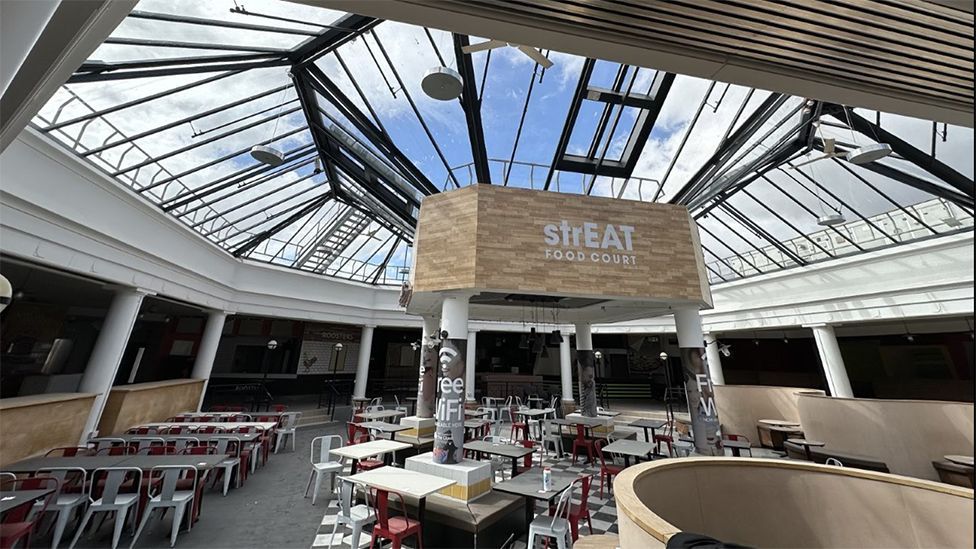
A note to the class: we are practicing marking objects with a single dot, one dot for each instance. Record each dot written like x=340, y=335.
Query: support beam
x=41, y=43
x=698, y=384
x=566, y=375
x=832, y=361
x=106, y=356
x=471, y=104
x=449, y=432
x=362, y=362
x=585, y=367
x=203, y=364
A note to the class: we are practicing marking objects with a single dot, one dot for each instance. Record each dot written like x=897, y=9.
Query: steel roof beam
x=471, y=104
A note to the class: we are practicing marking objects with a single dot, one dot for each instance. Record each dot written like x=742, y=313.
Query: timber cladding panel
x=138, y=403
x=32, y=425
x=487, y=237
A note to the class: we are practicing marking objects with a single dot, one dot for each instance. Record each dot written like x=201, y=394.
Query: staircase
x=347, y=226
x=314, y=418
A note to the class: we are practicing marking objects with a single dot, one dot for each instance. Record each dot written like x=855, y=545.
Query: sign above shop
x=489, y=238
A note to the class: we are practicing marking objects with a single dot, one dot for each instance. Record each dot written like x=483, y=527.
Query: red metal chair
x=668, y=441
x=176, y=430
x=582, y=442
x=279, y=408
x=157, y=451
x=218, y=408
x=190, y=482
x=235, y=409
x=210, y=429
x=578, y=512
x=69, y=451
x=369, y=463
x=606, y=471
x=19, y=522
x=139, y=431
x=527, y=460
x=395, y=529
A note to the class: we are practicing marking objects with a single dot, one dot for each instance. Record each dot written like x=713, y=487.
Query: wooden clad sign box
x=503, y=239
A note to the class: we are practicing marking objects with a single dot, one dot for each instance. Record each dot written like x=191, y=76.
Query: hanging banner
x=449, y=436
x=427, y=384
x=587, y=381
x=701, y=401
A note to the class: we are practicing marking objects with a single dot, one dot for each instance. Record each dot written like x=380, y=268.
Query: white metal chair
x=65, y=503
x=107, y=442
x=499, y=464
x=552, y=436
x=555, y=526
x=168, y=496
x=232, y=464
x=323, y=464
x=182, y=443
x=111, y=501
x=353, y=516
x=147, y=441
x=400, y=407
x=289, y=421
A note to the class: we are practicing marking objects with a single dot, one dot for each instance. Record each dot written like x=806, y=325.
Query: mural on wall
x=587, y=382
x=318, y=355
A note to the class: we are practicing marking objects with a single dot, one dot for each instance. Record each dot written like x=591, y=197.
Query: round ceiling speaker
x=442, y=83
x=869, y=153
x=267, y=155
x=831, y=219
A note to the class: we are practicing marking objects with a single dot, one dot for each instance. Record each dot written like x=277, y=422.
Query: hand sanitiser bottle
x=546, y=479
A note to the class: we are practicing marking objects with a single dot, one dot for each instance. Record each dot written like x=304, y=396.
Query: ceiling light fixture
x=831, y=219
x=267, y=154
x=442, y=84
x=868, y=153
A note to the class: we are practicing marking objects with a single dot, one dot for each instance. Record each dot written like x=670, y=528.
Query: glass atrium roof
x=171, y=104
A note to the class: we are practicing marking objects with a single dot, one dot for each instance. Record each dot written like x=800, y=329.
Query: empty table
x=88, y=463
x=356, y=452
x=476, y=413
x=629, y=448
x=383, y=427
x=497, y=449
x=404, y=482
x=737, y=446
x=16, y=498
x=200, y=462
x=225, y=425
x=806, y=445
x=529, y=486
x=652, y=424
x=380, y=415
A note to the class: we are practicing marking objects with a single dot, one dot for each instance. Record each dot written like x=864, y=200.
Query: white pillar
x=449, y=419
x=566, y=370
x=833, y=363
x=714, y=360
x=584, y=337
x=362, y=365
x=203, y=364
x=698, y=384
x=470, y=359
x=103, y=364
x=427, y=380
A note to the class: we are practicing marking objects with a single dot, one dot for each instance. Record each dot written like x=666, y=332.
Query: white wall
x=57, y=210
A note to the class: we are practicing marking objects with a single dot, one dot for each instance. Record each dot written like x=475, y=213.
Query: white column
x=566, y=370
x=584, y=337
x=427, y=380
x=103, y=364
x=449, y=418
x=833, y=363
x=203, y=364
x=362, y=366
x=470, y=359
x=714, y=360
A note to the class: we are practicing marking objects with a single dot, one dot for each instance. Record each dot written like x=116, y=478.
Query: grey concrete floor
x=269, y=511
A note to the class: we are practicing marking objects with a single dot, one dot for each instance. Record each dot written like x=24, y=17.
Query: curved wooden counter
x=34, y=424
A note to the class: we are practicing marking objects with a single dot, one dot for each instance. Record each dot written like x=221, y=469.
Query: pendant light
x=864, y=154
x=442, y=84
x=266, y=154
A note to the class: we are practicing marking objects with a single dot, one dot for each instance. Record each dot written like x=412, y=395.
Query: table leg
x=646, y=436
x=514, y=467
x=529, y=512
x=626, y=460
x=353, y=467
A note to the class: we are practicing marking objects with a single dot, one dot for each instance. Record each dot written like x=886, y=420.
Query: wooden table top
x=371, y=448
x=778, y=422
x=960, y=460
x=402, y=481
x=805, y=442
